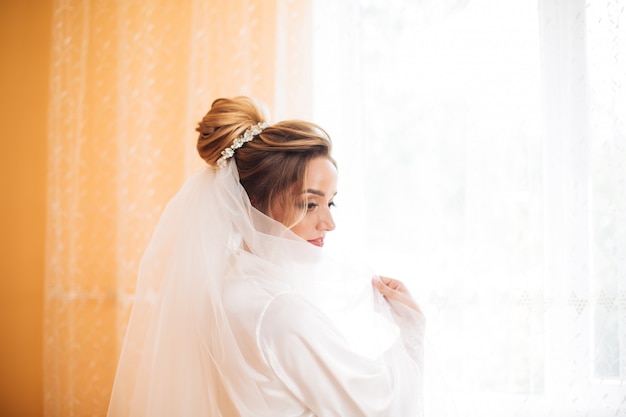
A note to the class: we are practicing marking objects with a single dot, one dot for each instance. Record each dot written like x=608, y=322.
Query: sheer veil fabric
x=182, y=354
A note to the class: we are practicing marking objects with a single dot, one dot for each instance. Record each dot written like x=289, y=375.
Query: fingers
x=394, y=284
x=386, y=286
x=379, y=285
x=392, y=289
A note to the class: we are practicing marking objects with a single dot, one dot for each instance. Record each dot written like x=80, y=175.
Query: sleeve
x=311, y=357
x=412, y=325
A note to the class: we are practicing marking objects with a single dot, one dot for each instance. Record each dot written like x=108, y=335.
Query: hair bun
x=227, y=119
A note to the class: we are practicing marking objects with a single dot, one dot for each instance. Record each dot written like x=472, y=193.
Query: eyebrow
x=316, y=192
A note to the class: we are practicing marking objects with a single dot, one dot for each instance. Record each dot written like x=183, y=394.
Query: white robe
x=236, y=316
x=304, y=366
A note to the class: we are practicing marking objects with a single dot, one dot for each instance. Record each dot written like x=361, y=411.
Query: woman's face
x=320, y=187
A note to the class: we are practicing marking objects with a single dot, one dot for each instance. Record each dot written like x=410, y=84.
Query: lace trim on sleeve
x=412, y=325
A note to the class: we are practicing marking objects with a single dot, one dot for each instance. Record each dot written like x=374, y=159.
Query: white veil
x=179, y=342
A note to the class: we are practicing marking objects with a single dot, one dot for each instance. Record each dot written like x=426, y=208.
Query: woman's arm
x=406, y=314
x=315, y=363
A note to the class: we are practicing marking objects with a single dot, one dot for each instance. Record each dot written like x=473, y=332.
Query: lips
x=317, y=242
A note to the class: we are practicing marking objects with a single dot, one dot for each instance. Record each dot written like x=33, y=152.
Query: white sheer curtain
x=482, y=153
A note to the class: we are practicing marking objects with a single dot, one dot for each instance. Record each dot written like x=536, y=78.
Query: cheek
x=303, y=228
x=277, y=213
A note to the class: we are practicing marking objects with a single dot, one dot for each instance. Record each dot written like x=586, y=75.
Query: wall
x=24, y=67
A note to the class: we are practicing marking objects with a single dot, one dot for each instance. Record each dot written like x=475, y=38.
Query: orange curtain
x=129, y=81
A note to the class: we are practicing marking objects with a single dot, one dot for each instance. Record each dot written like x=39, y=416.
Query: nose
x=326, y=221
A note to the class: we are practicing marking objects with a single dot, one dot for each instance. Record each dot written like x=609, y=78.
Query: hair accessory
x=247, y=136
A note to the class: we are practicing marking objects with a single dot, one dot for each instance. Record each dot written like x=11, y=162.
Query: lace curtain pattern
x=492, y=164
x=129, y=82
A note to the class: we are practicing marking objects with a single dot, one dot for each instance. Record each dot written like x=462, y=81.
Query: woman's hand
x=394, y=290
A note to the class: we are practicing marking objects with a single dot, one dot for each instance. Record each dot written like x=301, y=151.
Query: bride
x=238, y=309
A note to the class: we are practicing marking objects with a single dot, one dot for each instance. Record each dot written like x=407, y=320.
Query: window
x=485, y=151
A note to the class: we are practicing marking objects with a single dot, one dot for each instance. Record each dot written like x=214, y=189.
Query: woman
x=238, y=309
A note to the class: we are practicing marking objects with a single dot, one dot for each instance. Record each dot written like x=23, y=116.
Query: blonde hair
x=272, y=166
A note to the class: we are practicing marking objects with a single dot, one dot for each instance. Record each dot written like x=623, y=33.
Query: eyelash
x=311, y=206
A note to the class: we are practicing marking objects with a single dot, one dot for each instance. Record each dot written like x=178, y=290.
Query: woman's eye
x=332, y=204
x=311, y=206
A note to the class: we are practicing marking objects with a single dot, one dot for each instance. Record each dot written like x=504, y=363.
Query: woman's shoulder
x=288, y=306
x=244, y=295
x=246, y=299
x=290, y=313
